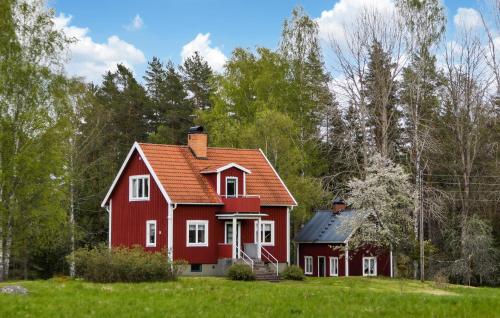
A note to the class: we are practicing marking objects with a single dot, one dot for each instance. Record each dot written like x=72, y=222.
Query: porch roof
x=248, y=216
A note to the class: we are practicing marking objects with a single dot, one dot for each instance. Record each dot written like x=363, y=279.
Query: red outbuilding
x=323, y=247
x=208, y=206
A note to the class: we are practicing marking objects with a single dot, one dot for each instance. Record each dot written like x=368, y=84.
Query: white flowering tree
x=384, y=203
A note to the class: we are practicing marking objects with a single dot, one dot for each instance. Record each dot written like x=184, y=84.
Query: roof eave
x=281, y=180
x=321, y=242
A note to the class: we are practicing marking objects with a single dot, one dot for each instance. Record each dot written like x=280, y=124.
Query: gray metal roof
x=326, y=227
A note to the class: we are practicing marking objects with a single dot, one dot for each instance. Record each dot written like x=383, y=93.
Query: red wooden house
x=208, y=206
x=323, y=247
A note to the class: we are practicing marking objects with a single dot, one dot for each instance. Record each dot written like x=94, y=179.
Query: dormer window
x=231, y=187
x=139, y=188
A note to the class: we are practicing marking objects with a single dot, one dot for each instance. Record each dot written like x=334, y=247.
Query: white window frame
x=130, y=187
x=238, y=226
x=262, y=222
x=334, y=260
x=236, y=187
x=196, y=223
x=308, y=259
x=374, y=267
x=148, y=223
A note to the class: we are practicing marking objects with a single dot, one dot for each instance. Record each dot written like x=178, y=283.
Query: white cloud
x=135, y=24
x=467, y=18
x=201, y=43
x=331, y=22
x=90, y=59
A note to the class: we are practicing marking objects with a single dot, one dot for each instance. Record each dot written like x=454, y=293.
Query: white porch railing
x=242, y=255
x=239, y=196
x=267, y=255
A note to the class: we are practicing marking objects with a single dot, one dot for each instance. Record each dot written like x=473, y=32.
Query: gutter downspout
x=170, y=231
x=288, y=211
x=108, y=209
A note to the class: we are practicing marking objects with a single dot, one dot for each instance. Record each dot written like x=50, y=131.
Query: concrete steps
x=264, y=273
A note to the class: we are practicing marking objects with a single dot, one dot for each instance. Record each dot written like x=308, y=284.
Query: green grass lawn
x=219, y=297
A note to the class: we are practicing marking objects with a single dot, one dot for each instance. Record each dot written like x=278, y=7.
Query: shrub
x=104, y=265
x=240, y=272
x=440, y=280
x=293, y=272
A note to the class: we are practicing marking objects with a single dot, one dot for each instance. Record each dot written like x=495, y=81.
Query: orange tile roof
x=179, y=171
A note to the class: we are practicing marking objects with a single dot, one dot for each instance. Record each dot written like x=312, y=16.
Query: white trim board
x=137, y=147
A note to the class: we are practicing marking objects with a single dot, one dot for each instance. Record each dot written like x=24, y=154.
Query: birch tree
x=466, y=110
x=425, y=24
x=352, y=50
x=31, y=128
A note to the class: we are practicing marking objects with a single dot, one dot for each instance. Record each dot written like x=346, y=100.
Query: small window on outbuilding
x=308, y=265
x=369, y=266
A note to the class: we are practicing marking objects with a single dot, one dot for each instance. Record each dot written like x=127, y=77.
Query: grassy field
x=219, y=297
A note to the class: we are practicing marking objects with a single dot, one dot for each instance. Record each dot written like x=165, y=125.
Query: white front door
x=228, y=234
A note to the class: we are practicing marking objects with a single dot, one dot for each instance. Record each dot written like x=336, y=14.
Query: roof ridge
x=162, y=145
x=186, y=146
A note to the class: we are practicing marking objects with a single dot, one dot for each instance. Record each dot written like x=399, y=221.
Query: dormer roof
x=220, y=168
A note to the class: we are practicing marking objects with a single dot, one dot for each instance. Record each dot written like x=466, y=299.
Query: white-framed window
x=266, y=232
x=369, y=266
x=334, y=266
x=138, y=188
x=308, y=265
x=151, y=233
x=231, y=187
x=197, y=233
x=229, y=233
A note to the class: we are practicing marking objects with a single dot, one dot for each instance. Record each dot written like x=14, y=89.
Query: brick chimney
x=198, y=142
x=338, y=205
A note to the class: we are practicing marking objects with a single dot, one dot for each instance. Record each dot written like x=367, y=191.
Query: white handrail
x=249, y=261
x=273, y=260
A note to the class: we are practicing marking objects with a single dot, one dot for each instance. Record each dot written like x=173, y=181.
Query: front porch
x=249, y=246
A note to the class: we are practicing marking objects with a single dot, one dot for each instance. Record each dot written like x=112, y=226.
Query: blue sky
x=108, y=34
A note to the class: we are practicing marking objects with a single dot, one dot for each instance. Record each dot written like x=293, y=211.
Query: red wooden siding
x=129, y=218
x=383, y=261
x=209, y=254
x=355, y=258
x=198, y=254
x=231, y=172
x=315, y=250
x=278, y=214
x=247, y=204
